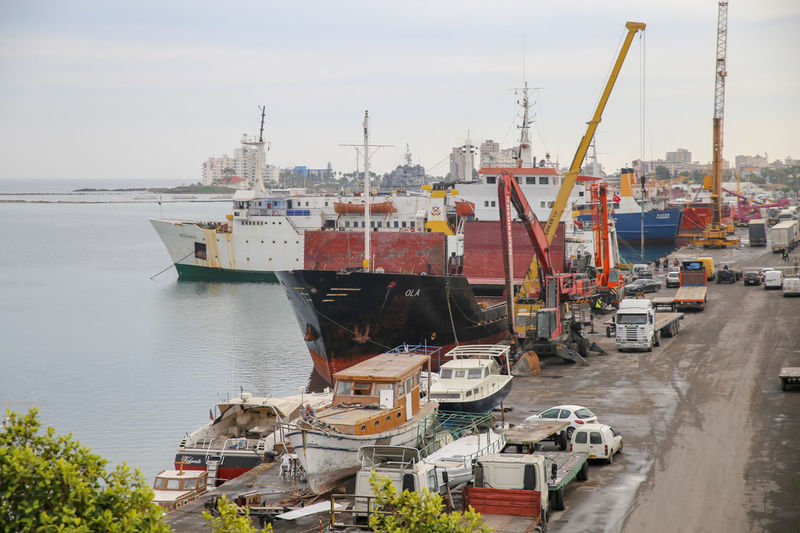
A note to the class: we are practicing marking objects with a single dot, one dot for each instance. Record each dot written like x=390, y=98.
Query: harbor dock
x=707, y=428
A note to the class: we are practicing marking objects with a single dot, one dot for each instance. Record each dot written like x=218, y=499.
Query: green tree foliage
x=415, y=512
x=50, y=482
x=228, y=519
x=662, y=172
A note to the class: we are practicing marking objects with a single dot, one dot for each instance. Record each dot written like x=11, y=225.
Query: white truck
x=783, y=235
x=639, y=326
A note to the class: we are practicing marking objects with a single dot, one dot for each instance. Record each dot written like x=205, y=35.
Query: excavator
x=537, y=311
x=551, y=329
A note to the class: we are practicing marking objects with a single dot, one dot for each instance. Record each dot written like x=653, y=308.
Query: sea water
x=125, y=363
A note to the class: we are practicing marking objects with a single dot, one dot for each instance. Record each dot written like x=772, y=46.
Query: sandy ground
x=711, y=441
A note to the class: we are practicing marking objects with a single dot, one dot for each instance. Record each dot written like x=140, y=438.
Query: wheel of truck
x=656, y=341
x=583, y=473
x=558, y=500
x=608, y=331
x=562, y=440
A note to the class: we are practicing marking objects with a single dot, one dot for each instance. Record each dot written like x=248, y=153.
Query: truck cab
x=635, y=324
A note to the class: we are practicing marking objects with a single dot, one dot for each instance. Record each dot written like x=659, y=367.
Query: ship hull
x=250, y=253
x=349, y=317
x=659, y=226
x=483, y=405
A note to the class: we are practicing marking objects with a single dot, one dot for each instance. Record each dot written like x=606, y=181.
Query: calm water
x=125, y=363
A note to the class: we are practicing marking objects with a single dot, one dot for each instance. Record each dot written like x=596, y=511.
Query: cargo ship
x=661, y=223
x=420, y=292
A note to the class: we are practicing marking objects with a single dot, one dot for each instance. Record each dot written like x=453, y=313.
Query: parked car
x=673, y=279
x=773, y=279
x=641, y=271
x=752, y=278
x=577, y=416
x=600, y=441
x=641, y=285
x=791, y=287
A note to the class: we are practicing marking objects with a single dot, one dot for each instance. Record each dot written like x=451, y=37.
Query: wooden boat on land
x=472, y=379
x=375, y=402
x=242, y=435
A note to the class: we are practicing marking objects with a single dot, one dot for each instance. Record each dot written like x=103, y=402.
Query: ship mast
x=525, y=150
x=259, y=144
x=366, y=146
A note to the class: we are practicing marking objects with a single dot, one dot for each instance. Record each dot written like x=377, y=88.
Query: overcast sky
x=150, y=89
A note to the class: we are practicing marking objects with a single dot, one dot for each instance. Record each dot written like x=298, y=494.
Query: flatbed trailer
x=667, y=323
x=569, y=467
x=691, y=297
x=790, y=375
x=527, y=435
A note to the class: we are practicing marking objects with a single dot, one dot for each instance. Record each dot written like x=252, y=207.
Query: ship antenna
x=261, y=131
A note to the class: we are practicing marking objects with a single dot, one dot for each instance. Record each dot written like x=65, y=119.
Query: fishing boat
x=375, y=402
x=243, y=434
x=472, y=380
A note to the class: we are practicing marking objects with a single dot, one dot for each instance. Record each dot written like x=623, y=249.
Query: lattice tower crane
x=715, y=235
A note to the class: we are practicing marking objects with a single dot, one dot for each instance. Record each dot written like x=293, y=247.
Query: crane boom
x=568, y=182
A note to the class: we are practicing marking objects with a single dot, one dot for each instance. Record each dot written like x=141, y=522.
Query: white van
x=791, y=287
x=600, y=441
x=773, y=279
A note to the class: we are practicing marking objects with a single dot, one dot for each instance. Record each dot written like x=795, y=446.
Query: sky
x=151, y=89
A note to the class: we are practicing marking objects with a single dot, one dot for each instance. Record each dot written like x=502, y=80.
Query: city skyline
x=151, y=90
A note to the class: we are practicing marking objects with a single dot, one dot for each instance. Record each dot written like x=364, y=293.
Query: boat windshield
x=475, y=373
x=446, y=373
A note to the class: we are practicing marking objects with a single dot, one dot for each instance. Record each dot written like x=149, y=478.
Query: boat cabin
x=175, y=488
x=376, y=395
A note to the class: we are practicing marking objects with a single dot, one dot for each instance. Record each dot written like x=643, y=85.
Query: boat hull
x=328, y=457
x=231, y=465
x=347, y=318
x=482, y=405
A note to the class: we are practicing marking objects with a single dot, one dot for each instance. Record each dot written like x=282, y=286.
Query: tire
x=563, y=441
x=656, y=340
x=558, y=500
x=608, y=331
x=583, y=347
x=620, y=447
x=570, y=431
x=610, y=459
x=583, y=473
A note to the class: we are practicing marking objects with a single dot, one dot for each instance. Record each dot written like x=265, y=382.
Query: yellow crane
x=716, y=234
x=528, y=298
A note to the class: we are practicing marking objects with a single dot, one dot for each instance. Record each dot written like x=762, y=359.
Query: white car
x=600, y=441
x=773, y=279
x=576, y=415
x=673, y=279
x=791, y=287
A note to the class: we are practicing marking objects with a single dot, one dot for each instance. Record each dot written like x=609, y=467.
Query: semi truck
x=783, y=236
x=757, y=228
x=692, y=293
x=638, y=326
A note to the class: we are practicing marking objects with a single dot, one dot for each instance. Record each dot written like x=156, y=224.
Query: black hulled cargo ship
x=419, y=294
x=347, y=317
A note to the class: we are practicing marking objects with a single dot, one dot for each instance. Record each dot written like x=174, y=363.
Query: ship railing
x=353, y=510
x=434, y=352
x=219, y=444
x=446, y=426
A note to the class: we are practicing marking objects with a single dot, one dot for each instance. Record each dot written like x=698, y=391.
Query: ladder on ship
x=212, y=467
